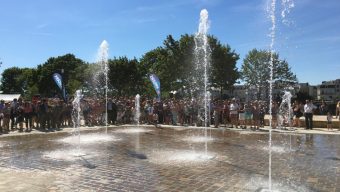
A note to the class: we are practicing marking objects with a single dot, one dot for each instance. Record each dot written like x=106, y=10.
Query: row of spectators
x=55, y=113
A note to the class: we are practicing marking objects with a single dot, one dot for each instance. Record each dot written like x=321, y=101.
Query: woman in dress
x=297, y=111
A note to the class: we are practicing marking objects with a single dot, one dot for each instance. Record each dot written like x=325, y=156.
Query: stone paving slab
x=238, y=162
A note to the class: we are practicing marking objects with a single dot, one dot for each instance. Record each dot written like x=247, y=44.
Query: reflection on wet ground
x=169, y=160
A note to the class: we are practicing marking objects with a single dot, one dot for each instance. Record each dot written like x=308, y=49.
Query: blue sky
x=32, y=31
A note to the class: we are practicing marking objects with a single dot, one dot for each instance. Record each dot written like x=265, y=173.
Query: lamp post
x=62, y=85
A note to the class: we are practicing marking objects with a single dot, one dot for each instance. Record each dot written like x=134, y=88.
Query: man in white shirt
x=308, y=112
x=233, y=110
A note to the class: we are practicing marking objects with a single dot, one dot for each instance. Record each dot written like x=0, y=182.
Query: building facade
x=329, y=90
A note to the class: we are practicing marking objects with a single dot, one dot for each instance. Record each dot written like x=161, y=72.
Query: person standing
x=308, y=112
x=109, y=108
x=297, y=110
x=338, y=113
x=217, y=112
x=241, y=115
x=275, y=111
x=248, y=114
x=14, y=106
x=329, y=121
x=43, y=114
x=20, y=115
x=233, y=110
x=7, y=117
x=256, y=114
x=225, y=113
x=338, y=109
x=28, y=113
x=2, y=106
x=114, y=112
x=323, y=109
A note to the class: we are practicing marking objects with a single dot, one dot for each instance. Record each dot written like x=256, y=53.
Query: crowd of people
x=55, y=114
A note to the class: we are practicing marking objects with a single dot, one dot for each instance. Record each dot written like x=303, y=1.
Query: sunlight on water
x=198, y=139
x=260, y=184
x=180, y=156
x=133, y=130
x=89, y=139
x=277, y=149
x=66, y=155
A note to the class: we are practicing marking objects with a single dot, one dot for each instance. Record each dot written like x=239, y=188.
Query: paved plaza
x=169, y=159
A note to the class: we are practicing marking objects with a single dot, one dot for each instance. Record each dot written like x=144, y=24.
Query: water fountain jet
x=202, y=57
x=76, y=116
x=287, y=5
x=103, y=54
x=285, y=111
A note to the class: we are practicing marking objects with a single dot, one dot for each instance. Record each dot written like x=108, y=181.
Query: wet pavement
x=169, y=159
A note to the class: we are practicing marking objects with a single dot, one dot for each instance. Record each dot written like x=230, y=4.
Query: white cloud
x=42, y=26
x=41, y=33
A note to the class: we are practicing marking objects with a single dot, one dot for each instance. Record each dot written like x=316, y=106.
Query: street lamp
x=62, y=85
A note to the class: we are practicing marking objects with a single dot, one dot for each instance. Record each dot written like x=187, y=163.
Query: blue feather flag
x=156, y=84
x=59, y=81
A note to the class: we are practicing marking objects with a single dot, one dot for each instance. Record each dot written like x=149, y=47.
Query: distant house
x=9, y=97
x=329, y=90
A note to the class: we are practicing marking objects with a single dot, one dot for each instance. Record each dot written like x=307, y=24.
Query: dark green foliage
x=175, y=65
x=224, y=72
x=16, y=80
x=72, y=75
x=124, y=76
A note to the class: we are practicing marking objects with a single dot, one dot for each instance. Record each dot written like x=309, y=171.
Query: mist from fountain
x=285, y=111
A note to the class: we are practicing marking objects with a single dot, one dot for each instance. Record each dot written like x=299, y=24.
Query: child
x=329, y=121
x=155, y=119
x=7, y=116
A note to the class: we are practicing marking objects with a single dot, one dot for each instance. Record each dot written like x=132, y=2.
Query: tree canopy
x=173, y=63
x=17, y=80
x=71, y=69
x=255, y=71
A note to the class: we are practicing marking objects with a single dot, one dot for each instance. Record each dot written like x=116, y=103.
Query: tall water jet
x=76, y=116
x=271, y=66
x=103, y=54
x=286, y=6
x=202, y=58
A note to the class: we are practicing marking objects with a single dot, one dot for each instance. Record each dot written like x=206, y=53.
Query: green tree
x=256, y=71
x=124, y=76
x=165, y=63
x=187, y=61
x=174, y=63
x=153, y=62
x=28, y=79
x=10, y=81
x=223, y=63
x=72, y=69
x=17, y=80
